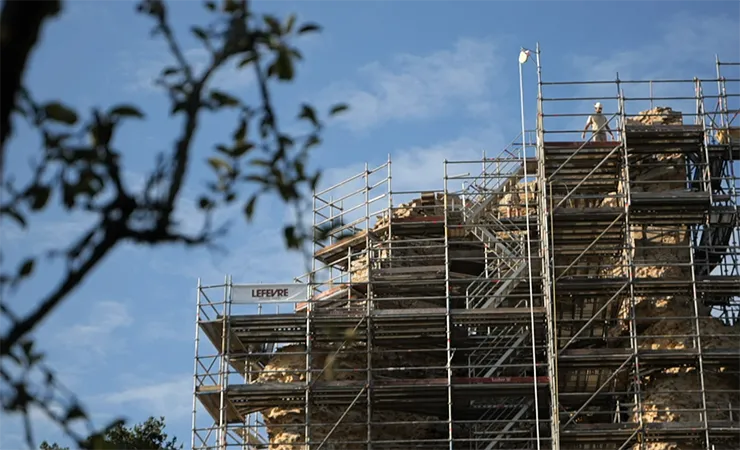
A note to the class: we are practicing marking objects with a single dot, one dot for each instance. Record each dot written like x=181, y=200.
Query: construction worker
x=599, y=125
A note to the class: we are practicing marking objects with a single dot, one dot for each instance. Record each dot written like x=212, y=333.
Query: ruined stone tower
x=567, y=294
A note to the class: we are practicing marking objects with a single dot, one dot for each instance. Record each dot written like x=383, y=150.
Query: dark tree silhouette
x=148, y=435
x=81, y=168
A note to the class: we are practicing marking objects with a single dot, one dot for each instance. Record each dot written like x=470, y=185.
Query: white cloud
x=142, y=69
x=420, y=87
x=95, y=334
x=45, y=234
x=681, y=47
x=413, y=170
x=171, y=398
x=253, y=252
x=422, y=167
x=679, y=41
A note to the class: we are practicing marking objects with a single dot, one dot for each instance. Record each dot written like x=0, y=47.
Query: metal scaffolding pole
x=529, y=256
x=548, y=287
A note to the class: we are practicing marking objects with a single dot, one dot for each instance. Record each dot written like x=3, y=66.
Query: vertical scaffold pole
x=368, y=313
x=529, y=261
x=223, y=367
x=448, y=319
x=548, y=290
x=309, y=314
x=629, y=248
x=195, y=366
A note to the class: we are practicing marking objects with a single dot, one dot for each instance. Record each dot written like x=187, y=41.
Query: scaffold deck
x=425, y=396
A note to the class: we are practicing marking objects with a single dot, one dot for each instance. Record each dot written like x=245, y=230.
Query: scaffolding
x=556, y=296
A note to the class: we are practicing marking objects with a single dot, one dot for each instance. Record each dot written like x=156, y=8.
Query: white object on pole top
x=524, y=55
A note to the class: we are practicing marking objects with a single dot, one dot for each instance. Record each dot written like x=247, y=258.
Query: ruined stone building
x=566, y=294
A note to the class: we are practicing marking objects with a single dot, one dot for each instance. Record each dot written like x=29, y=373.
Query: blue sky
x=426, y=81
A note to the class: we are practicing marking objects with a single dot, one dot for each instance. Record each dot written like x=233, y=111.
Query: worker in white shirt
x=599, y=125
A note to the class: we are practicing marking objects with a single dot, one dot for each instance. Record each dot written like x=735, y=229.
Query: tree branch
x=71, y=281
x=20, y=23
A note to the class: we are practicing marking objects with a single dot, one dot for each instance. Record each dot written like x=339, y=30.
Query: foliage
x=148, y=435
x=80, y=168
x=46, y=446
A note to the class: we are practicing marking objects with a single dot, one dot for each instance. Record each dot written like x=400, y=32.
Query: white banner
x=269, y=293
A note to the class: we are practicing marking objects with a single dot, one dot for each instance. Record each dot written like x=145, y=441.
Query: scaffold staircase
x=499, y=351
x=502, y=423
x=500, y=345
x=506, y=258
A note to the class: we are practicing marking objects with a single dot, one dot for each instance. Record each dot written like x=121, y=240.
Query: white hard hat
x=597, y=105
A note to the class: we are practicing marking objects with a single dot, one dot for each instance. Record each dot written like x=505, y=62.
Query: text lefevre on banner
x=268, y=293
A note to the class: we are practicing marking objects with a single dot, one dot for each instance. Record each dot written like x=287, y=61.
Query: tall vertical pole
x=223, y=368
x=448, y=319
x=721, y=98
x=390, y=214
x=694, y=231
x=368, y=313
x=729, y=169
x=547, y=287
x=529, y=261
x=195, y=365
x=629, y=246
x=309, y=314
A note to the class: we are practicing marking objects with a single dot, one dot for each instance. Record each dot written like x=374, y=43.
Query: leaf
x=338, y=108
x=167, y=71
x=210, y=5
x=224, y=99
x=290, y=236
x=230, y=6
x=297, y=55
x=307, y=112
x=55, y=140
x=309, y=28
x=249, y=208
x=312, y=141
x=205, y=203
x=60, y=113
x=241, y=131
x=300, y=170
x=75, y=412
x=273, y=23
x=289, y=24
x=126, y=111
x=27, y=347
x=260, y=162
x=26, y=268
x=285, y=141
x=315, y=181
x=200, y=33
x=15, y=215
x=242, y=149
x=284, y=65
x=177, y=106
x=256, y=179
x=248, y=60
x=217, y=163
x=40, y=195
